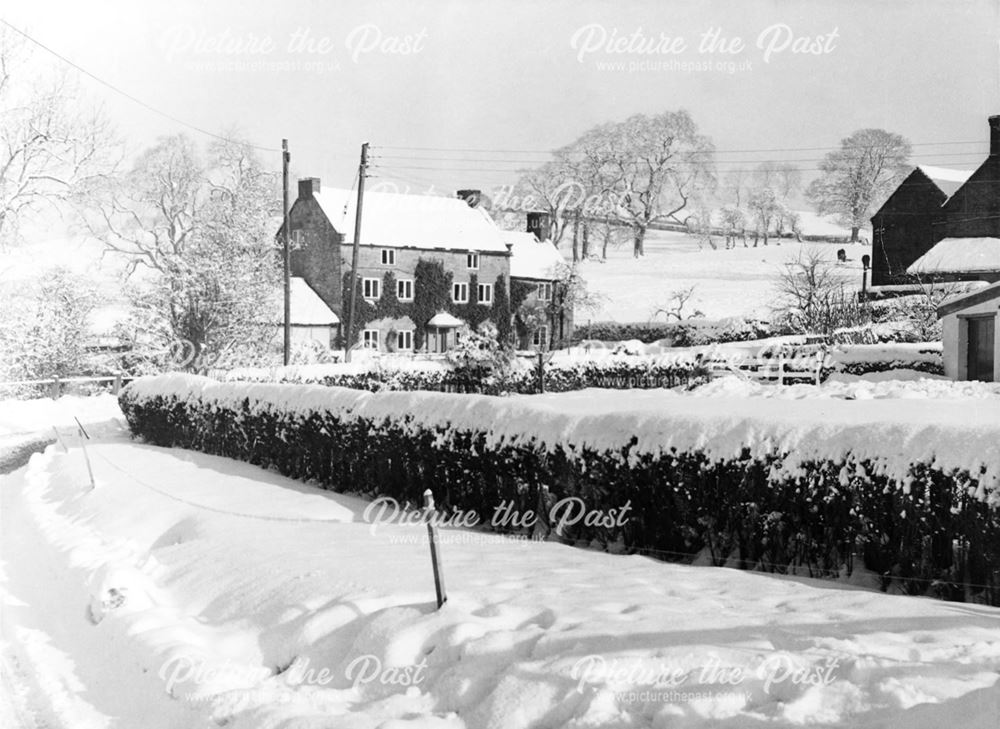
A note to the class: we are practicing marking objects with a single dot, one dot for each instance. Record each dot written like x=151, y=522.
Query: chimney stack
x=995, y=135
x=307, y=187
x=471, y=197
x=540, y=224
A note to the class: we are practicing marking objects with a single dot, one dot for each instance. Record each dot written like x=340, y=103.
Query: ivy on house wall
x=502, y=312
x=364, y=312
x=432, y=293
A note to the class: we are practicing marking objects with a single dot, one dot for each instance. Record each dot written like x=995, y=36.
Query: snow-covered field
x=737, y=282
x=187, y=588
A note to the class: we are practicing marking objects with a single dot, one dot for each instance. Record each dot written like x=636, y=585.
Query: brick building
x=939, y=221
x=429, y=267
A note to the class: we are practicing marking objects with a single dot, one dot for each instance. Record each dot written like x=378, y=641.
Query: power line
x=127, y=95
x=553, y=151
x=514, y=170
x=976, y=155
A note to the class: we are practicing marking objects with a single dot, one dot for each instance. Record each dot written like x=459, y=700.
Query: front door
x=982, y=335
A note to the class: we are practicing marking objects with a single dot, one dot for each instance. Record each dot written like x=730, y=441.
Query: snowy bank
x=781, y=479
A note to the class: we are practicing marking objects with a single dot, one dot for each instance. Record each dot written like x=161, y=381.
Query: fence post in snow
x=432, y=537
x=83, y=447
x=54, y=389
x=117, y=387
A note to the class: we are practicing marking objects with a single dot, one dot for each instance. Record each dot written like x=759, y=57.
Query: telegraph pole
x=362, y=170
x=285, y=158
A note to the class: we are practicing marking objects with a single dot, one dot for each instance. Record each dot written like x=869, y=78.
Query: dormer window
x=472, y=261
x=388, y=257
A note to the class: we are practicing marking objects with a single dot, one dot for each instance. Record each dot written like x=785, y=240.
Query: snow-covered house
x=969, y=324
x=419, y=256
x=537, y=265
x=311, y=319
x=940, y=218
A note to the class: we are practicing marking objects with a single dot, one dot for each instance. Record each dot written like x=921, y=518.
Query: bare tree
x=765, y=209
x=51, y=143
x=651, y=166
x=733, y=222
x=859, y=176
x=812, y=298
x=675, y=305
x=204, y=231
x=553, y=188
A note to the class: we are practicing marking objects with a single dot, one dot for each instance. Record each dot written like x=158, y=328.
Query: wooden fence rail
x=56, y=384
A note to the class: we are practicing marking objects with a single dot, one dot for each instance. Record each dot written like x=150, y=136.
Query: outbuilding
x=969, y=331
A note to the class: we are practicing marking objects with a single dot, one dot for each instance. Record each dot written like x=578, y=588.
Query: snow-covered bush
x=502, y=376
x=687, y=333
x=749, y=493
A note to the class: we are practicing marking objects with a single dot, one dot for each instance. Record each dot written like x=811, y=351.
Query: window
x=541, y=337
x=472, y=260
x=369, y=338
x=460, y=293
x=404, y=340
x=388, y=257
x=545, y=291
x=404, y=289
x=485, y=294
x=371, y=288
x=297, y=239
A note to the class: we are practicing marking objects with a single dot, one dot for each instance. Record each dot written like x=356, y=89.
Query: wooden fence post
x=81, y=433
x=116, y=388
x=432, y=537
x=541, y=373
x=54, y=388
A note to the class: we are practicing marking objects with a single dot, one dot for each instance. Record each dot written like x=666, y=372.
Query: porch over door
x=982, y=336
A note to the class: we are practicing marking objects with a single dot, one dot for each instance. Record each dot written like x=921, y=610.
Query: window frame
x=376, y=286
x=367, y=335
x=472, y=261
x=544, y=286
x=540, y=337
x=402, y=283
x=408, y=333
x=455, y=287
x=480, y=288
x=390, y=254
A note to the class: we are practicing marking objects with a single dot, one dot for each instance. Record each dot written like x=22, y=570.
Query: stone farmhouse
x=429, y=269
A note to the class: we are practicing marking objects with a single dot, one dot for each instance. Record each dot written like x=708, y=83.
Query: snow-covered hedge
x=562, y=374
x=686, y=333
x=767, y=483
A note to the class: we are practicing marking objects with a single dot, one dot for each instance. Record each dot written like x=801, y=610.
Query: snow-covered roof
x=394, y=220
x=960, y=255
x=443, y=319
x=988, y=292
x=531, y=258
x=308, y=309
x=946, y=179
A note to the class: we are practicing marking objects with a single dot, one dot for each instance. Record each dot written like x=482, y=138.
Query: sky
x=516, y=78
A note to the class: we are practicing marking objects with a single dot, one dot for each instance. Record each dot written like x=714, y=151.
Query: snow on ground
x=737, y=282
x=960, y=430
x=144, y=603
x=28, y=424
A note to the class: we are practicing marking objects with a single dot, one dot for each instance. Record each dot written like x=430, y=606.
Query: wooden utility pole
x=353, y=281
x=285, y=158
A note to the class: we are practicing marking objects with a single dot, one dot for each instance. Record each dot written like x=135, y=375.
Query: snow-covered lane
x=225, y=591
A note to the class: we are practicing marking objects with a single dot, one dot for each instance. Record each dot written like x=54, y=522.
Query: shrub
x=929, y=530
